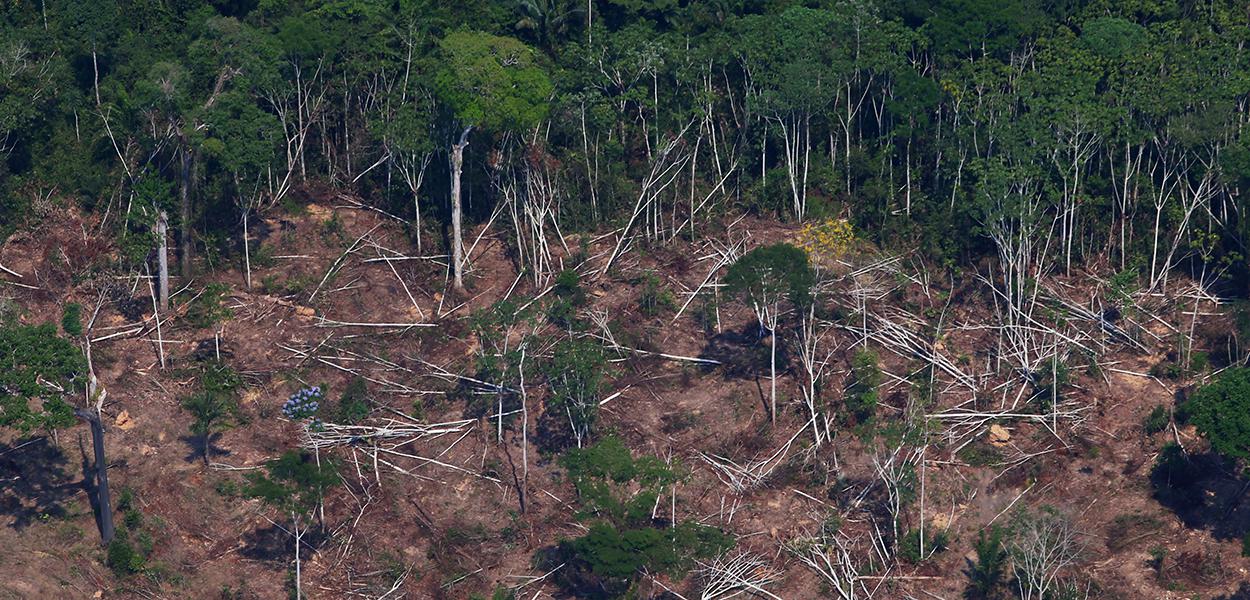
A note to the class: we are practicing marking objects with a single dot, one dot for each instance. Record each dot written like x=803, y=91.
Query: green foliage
x=576, y=374
x=603, y=473
x=860, y=399
x=502, y=330
x=1049, y=382
x=71, y=319
x=1221, y=412
x=132, y=545
x=934, y=542
x=618, y=492
x=492, y=81
x=208, y=308
x=215, y=406
x=985, y=576
x=654, y=297
x=1120, y=287
x=769, y=274
x=293, y=482
x=39, y=370
x=623, y=554
x=568, y=298
x=1157, y=420
x=123, y=558
x=353, y=406
x=1173, y=478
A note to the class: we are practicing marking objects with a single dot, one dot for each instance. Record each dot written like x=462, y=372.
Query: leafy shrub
x=654, y=297
x=860, y=399
x=568, y=297
x=128, y=553
x=576, y=375
x=293, y=482
x=618, y=492
x=208, y=309
x=1157, y=420
x=934, y=541
x=33, y=355
x=353, y=406
x=71, y=319
x=1049, y=382
x=122, y=557
x=1220, y=411
x=215, y=406
x=985, y=576
x=1173, y=477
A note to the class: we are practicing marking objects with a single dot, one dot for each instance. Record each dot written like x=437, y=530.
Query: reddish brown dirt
x=455, y=534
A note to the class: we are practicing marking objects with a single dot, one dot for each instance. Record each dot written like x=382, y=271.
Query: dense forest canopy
x=1118, y=125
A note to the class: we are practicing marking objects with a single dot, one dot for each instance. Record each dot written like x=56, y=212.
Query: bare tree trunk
x=773, y=367
x=184, y=213
x=162, y=258
x=299, y=588
x=247, y=253
x=457, y=239
x=101, y=470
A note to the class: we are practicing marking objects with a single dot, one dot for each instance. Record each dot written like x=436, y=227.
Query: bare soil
x=451, y=534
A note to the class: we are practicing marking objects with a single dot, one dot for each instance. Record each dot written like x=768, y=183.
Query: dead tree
x=457, y=235
x=162, y=257
x=1044, y=545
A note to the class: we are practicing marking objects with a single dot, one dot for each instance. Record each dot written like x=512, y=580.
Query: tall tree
x=489, y=82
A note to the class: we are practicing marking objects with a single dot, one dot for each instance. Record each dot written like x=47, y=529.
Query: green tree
x=764, y=278
x=490, y=82
x=576, y=376
x=214, y=406
x=294, y=484
x=618, y=493
x=1220, y=410
x=39, y=372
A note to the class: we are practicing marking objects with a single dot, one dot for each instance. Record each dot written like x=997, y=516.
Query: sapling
x=764, y=278
x=295, y=482
x=214, y=405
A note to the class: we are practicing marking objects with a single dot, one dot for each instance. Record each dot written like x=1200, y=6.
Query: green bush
x=1157, y=420
x=215, y=405
x=1220, y=411
x=123, y=558
x=208, y=309
x=71, y=319
x=860, y=399
x=353, y=406
x=654, y=297
x=985, y=576
x=934, y=542
x=576, y=374
x=618, y=492
x=568, y=297
x=1049, y=382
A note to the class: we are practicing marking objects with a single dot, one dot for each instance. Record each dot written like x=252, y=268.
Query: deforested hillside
x=620, y=299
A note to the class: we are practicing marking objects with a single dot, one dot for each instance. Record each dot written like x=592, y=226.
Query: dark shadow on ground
x=275, y=543
x=33, y=482
x=1204, y=491
x=1242, y=593
x=202, y=448
x=743, y=354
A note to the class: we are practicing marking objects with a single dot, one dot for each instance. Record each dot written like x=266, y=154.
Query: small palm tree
x=549, y=20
